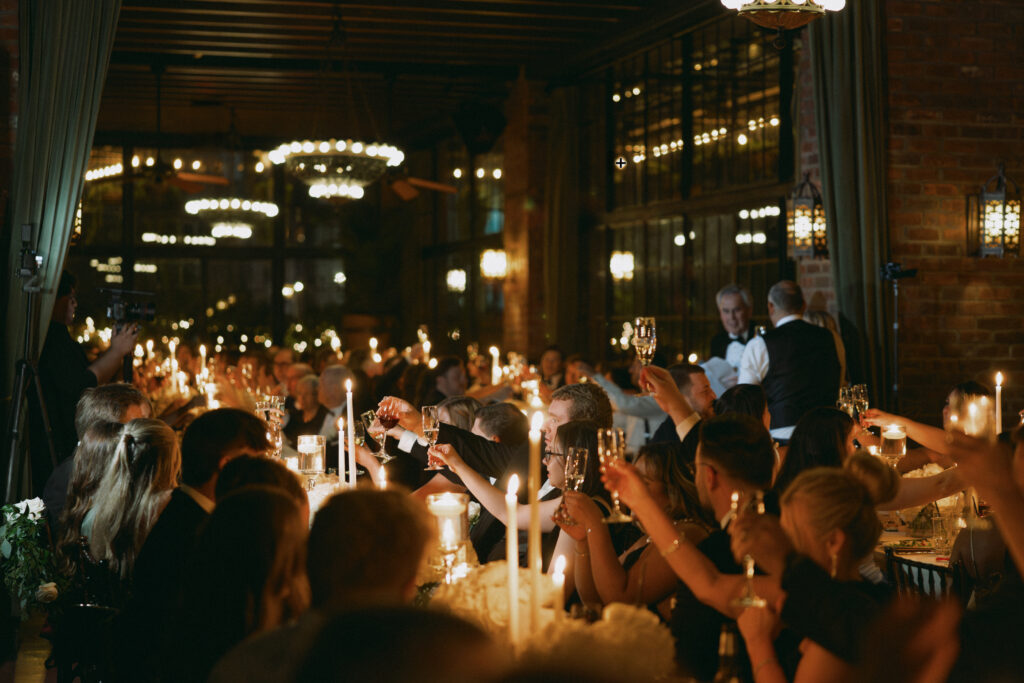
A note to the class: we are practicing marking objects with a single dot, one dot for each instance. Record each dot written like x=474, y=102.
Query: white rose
x=47, y=592
x=34, y=508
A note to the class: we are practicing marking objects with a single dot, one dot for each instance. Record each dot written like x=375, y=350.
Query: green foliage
x=27, y=560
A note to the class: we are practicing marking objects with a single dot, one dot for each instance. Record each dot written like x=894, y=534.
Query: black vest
x=803, y=371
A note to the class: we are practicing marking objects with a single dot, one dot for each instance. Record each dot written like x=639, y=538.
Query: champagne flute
x=749, y=597
x=859, y=398
x=575, y=474
x=973, y=416
x=611, y=445
x=430, y=429
x=645, y=340
x=845, y=401
x=375, y=430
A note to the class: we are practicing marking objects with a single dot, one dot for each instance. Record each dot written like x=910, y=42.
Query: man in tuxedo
x=212, y=440
x=795, y=362
x=735, y=454
x=734, y=308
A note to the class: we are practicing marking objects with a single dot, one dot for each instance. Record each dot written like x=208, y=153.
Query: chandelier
x=336, y=168
x=993, y=218
x=783, y=14
x=805, y=222
x=230, y=216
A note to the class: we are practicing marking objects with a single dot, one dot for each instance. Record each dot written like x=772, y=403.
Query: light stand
x=894, y=272
x=27, y=368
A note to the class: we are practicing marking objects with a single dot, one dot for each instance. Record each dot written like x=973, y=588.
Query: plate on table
x=912, y=545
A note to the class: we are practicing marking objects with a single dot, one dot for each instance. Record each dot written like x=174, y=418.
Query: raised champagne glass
x=645, y=340
x=749, y=597
x=893, y=444
x=974, y=416
x=860, y=399
x=431, y=425
x=575, y=475
x=611, y=445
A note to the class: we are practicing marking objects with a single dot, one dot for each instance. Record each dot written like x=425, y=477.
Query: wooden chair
x=911, y=578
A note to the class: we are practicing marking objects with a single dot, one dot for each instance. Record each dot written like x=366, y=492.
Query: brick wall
x=956, y=110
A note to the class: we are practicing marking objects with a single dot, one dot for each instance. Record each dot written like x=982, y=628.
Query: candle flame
x=513, y=485
x=373, y=343
x=494, y=351
x=202, y=349
x=341, y=423
x=559, y=571
x=348, y=385
x=999, y=379
x=537, y=421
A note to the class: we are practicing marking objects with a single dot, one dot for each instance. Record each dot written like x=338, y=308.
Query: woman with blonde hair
x=133, y=492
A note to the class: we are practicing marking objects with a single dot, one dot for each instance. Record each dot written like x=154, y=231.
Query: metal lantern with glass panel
x=805, y=221
x=783, y=15
x=993, y=218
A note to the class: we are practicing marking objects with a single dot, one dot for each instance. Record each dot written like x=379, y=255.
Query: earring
x=835, y=562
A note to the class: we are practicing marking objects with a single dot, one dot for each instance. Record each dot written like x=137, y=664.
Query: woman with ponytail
x=134, y=490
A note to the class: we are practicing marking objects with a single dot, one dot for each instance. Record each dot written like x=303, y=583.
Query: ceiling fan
x=159, y=171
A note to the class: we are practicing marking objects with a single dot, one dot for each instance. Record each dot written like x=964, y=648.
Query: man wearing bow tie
x=734, y=307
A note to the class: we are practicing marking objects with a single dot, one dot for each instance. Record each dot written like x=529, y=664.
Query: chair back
x=921, y=579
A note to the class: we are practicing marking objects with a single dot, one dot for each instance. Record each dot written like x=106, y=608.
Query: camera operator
x=64, y=373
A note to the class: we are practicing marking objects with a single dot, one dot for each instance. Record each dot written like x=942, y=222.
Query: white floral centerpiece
x=28, y=567
x=627, y=638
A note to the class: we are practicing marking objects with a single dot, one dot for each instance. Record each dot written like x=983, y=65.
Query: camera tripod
x=27, y=377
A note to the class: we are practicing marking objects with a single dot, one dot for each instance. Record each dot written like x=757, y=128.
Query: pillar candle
x=495, y=365
x=999, y=403
x=351, y=436
x=512, y=555
x=558, y=579
x=202, y=356
x=533, y=534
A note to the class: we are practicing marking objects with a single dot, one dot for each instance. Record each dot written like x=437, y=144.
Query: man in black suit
x=212, y=440
x=684, y=392
x=735, y=454
x=795, y=362
x=734, y=308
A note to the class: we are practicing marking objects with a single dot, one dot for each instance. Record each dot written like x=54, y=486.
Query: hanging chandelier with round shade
x=336, y=168
x=230, y=216
x=783, y=15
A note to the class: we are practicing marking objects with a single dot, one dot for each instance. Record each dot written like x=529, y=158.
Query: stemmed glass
x=430, y=428
x=645, y=340
x=575, y=474
x=859, y=398
x=375, y=430
x=973, y=416
x=271, y=409
x=749, y=597
x=845, y=401
x=611, y=445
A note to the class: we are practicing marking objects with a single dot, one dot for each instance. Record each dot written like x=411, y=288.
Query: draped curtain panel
x=561, y=238
x=848, y=56
x=65, y=49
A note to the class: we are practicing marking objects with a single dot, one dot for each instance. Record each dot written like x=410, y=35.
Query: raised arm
x=930, y=437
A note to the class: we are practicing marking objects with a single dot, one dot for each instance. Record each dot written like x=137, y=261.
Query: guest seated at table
x=823, y=437
x=309, y=415
x=640, y=574
x=445, y=380
x=685, y=394
x=400, y=644
x=259, y=470
x=245, y=576
x=112, y=403
x=749, y=399
x=828, y=525
x=365, y=548
x=133, y=492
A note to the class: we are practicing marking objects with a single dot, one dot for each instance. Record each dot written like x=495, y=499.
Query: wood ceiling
x=301, y=68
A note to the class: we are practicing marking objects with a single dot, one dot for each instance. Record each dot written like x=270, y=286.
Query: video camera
x=121, y=311
x=895, y=271
x=29, y=260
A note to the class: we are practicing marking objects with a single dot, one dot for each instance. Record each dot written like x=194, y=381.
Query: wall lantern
x=805, y=221
x=621, y=265
x=993, y=218
x=494, y=264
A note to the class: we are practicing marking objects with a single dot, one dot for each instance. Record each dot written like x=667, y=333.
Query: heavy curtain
x=64, y=51
x=847, y=51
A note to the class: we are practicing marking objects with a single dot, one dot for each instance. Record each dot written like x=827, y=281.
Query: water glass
x=311, y=448
x=893, y=445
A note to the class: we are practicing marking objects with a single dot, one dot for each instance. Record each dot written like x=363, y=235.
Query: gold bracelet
x=674, y=546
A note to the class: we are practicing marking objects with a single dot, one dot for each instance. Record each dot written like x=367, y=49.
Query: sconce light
x=456, y=279
x=494, y=263
x=993, y=218
x=621, y=265
x=805, y=221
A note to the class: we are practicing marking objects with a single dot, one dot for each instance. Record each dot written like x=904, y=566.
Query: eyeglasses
x=549, y=456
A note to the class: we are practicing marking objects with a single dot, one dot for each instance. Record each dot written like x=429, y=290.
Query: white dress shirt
x=630, y=404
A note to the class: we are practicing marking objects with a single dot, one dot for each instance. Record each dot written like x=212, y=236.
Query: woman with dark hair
x=246, y=575
x=745, y=399
x=446, y=379
x=640, y=574
x=823, y=437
